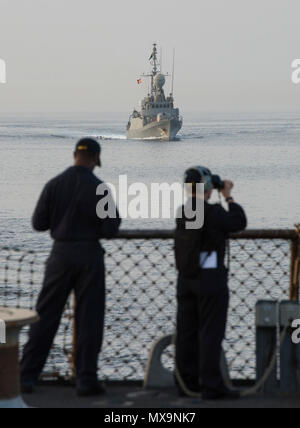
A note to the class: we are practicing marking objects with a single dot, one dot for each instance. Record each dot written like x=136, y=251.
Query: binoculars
x=217, y=182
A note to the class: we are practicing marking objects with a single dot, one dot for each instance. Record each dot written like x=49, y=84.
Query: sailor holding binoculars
x=203, y=294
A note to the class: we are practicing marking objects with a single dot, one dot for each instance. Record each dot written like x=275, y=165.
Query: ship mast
x=154, y=58
x=155, y=67
x=156, y=70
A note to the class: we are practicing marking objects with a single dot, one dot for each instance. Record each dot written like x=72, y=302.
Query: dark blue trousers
x=77, y=267
x=201, y=327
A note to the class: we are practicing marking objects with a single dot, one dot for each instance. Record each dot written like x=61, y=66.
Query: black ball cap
x=89, y=145
x=193, y=176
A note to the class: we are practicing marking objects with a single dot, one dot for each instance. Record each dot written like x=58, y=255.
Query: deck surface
x=133, y=396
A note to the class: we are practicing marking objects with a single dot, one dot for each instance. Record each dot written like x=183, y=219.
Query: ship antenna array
x=154, y=71
x=154, y=55
x=173, y=73
x=158, y=68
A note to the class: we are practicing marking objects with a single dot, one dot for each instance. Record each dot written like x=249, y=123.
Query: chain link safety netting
x=141, y=301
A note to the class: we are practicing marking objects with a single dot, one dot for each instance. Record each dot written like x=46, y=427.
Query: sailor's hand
x=228, y=186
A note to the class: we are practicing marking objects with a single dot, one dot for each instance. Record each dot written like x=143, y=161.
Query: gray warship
x=157, y=118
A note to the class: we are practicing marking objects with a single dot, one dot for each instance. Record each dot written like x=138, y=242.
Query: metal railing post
x=266, y=343
x=74, y=342
x=295, y=266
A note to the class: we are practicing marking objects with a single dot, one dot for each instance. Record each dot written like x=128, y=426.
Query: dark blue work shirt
x=67, y=207
x=218, y=223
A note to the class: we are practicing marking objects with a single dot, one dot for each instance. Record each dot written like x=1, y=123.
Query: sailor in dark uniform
x=67, y=207
x=203, y=294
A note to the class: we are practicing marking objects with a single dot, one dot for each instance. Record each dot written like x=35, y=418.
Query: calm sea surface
x=261, y=153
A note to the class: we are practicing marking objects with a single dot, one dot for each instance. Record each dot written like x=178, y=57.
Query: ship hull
x=166, y=130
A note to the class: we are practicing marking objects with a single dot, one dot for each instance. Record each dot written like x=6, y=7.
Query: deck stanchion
x=266, y=342
x=295, y=266
x=290, y=352
x=74, y=341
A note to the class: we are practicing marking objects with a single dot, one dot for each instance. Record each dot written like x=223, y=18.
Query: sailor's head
x=87, y=153
x=199, y=175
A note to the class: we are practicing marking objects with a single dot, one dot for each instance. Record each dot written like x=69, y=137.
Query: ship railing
x=141, y=297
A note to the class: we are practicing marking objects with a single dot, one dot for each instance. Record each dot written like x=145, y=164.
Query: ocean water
x=259, y=152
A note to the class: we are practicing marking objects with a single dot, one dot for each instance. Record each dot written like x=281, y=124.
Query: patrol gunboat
x=157, y=118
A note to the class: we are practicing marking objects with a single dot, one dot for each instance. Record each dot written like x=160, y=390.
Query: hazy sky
x=85, y=55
